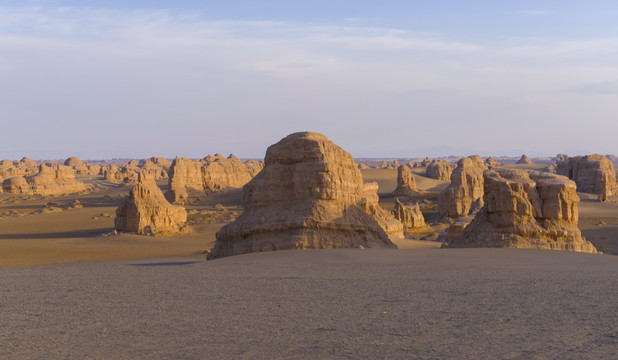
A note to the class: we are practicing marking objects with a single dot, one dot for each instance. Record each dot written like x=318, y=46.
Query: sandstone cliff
x=466, y=190
x=439, y=169
x=592, y=174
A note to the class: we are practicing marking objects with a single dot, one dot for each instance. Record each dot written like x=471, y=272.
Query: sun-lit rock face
x=592, y=173
x=191, y=180
x=406, y=185
x=309, y=195
x=525, y=160
x=526, y=209
x=491, y=162
x=409, y=215
x=49, y=181
x=147, y=212
x=439, y=169
x=465, y=194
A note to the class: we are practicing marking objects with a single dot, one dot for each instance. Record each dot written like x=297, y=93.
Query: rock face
x=410, y=216
x=524, y=160
x=426, y=161
x=491, y=162
x=23, y=167
x=81, y=167
x=190, y=180
x=526, y=209
x=147, y=212
x=466, y=190
x=49, y=181
x=406, y=185
x=592, y=174
x=440, y=169
x=309, y=195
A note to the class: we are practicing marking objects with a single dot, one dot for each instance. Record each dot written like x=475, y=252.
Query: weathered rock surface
x=406, y=185
x=466, y=190
x=410, y=216
x=309, y=195
x=526, y=209
x=49, y=181
x=491, y=162
x=440, y=169
x=525, y=160
x=191, y=180
x=426, y=161
x=147, y=212
x=592, y=173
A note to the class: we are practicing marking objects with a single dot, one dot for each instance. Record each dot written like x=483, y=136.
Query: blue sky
x=102, y=79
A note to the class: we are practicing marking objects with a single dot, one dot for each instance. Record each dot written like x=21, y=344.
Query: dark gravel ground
x=342, y=304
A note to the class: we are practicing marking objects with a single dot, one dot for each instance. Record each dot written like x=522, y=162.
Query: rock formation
x=191, y=180
x=406, y=185
x=592, y=173
x=310, y=195
x=49, y=181
x=426, y=161
x=363, y=166
x=466, y=190
x=526, y=209
x=147, y=212
x=524, y=160
x=491, y=162
x=440, y=169
x=560, y=157
x=410, y=216
x=383, y=165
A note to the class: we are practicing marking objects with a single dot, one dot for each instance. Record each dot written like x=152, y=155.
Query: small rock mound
x=524, y=160
x=526, y=209
x=310, y=195
x=491, y=162
x=147, y=212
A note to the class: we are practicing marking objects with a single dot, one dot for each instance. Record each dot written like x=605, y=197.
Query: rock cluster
x=81, y=167
x=440, y=169
x=592, y=174
x=310, y=195
x=410, y=216
x=49, y=181
x=23, y=167
x=156, y=167
x=526, y=209
x=465, y=194
x=406, y=185
x=524, y=160
x=147, y=212
x=191, y=180
x=491, y=162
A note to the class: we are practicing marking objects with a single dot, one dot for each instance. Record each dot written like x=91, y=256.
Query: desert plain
x=73, y=286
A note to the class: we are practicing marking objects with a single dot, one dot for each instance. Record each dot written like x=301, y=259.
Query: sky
x=136, y=78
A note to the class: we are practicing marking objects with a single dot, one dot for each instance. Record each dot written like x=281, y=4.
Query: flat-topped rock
x=592, y=173
x=466, y=190
x=440, y=169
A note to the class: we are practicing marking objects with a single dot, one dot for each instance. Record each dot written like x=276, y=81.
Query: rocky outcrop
x=592, y=173
x=363, y=166
x=410, y=216
x=49, y=181
x=426, y=161
x=81, y=167
x=406, y=185
x=560, y=157
x=191, y=180
x=24, y=167
x=466, y=190
x=310, y=195
x=147, y=212
x=384, y=165
x=491, y=162
x=524, y=160
x=440, y=169
x=526, y=209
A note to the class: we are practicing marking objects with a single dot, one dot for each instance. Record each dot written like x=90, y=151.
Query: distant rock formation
x=526, y=209
x=191, y=180
x=147, y=212
x=49, y=181
x=310, y=195
x=592, y=173
x=81, y=167
x=465, y=194
x=410, y=216
x=384, y=165
x=440, y=169
x=491, y=162
x=426, y=161
x=406, y=185
x=23, y=167
x=524, y=160
x=363, y=166
x=560, y=157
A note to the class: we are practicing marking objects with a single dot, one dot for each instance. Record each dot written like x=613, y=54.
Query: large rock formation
x=310, y=195
x=406, y=185
x=592, y=174
x=524, y=159
x=147, y=212
x=526, y=209
x=440, y=169
x=191, y=180
x=49, y=181
x=23, y=167
x=410, y=216
x=465, y=194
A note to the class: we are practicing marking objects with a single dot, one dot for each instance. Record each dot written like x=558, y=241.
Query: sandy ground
x=319, y=304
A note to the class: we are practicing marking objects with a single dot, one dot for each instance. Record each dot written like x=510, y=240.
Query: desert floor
x=70, y=288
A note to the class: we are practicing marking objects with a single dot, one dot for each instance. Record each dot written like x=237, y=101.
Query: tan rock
x=410, y=216
x=440, y=169
x=310, y=195
x=16, y=185
x=147, y=212
x=363, y=166
x=383, y=165
x=426, y=161
x=526, y=209
x=466, y=190
x=406, y=185
x=49, y=181
x=491, y=162
x=592, y=173
x=524, y=160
